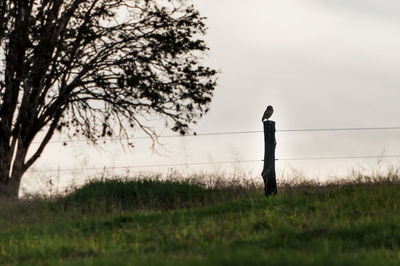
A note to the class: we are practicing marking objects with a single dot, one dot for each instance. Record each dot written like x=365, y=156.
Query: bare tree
x=95, y=68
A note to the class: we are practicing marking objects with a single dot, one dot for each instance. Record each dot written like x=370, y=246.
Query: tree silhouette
x=95, y=68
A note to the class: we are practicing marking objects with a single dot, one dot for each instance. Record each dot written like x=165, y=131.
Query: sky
x=320, y=63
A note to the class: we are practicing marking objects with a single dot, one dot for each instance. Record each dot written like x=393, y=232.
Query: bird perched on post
x=268, y=113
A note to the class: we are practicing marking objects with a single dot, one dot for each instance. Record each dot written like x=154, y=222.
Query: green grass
x=173, y=223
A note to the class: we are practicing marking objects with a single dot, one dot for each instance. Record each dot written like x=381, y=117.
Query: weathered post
x=268, y=173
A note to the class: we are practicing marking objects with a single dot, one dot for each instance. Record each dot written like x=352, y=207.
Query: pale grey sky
x=320, y=63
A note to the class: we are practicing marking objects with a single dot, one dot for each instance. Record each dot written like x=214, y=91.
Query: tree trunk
x=10, y=189
x=9, y=185
x=4, y=168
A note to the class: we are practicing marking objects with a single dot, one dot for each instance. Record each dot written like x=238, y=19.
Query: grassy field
x=173, y=223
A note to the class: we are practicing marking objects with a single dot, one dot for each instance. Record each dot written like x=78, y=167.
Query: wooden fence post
x=268, y=172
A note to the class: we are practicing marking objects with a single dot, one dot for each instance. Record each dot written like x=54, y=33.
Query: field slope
x=170, y=223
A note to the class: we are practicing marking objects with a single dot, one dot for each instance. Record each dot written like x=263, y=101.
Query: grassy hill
x=173, y=223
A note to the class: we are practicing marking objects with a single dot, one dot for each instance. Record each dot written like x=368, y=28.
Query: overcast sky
x=320, y=63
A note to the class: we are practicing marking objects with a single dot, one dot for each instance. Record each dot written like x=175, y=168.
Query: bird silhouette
x=268, y=113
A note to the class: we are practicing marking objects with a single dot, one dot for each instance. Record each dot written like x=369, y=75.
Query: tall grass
x=198, y=222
